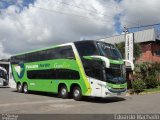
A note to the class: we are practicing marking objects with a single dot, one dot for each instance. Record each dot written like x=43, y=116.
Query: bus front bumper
x=116, y=92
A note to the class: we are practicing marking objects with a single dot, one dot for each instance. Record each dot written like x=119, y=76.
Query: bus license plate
x=118, y=93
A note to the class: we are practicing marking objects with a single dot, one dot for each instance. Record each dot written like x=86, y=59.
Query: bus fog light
x=106, y=93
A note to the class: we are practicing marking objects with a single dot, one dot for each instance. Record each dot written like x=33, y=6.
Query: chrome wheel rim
x=25, y=88
x=19, y=87
x=63, y=91
x=76, y=93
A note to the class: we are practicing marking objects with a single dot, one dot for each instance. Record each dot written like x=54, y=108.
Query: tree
x=137, y=49
x=121, y=48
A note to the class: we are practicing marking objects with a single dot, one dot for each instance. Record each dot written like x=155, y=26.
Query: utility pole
x=128, y=56
x=125, y=30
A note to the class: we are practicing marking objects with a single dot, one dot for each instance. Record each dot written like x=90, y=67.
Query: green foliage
x=137, y=72
x=151, y=82
x=148, y=73
x=158, y=82
x=156, y=65
x=138, y=86
x=137, y=49
x=144, y=68
x=121, y=48
x=153, y=90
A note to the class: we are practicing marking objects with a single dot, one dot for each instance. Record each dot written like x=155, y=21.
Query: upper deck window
x=64, y=52
x=87, y=48
x=109, y=51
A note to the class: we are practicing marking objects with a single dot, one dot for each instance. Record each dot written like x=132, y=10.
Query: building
x=149, y=41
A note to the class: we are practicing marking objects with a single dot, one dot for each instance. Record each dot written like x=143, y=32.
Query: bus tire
x=77, y=93
x=25, y=88
x=63, y=92
x=19, y=88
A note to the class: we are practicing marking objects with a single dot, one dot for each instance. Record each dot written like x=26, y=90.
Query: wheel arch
x=60, y=85
x=73, y=86
x=18, y=83
x=25, y=83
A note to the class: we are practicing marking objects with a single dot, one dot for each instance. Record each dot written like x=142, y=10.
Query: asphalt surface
x=43, y=103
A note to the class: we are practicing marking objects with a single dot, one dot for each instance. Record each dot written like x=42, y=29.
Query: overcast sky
x=32, y=24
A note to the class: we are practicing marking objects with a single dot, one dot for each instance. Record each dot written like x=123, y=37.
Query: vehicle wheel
x=63, y=92
x=19, y=88
x=5, y=84
x=77, y=93
x=25, y=88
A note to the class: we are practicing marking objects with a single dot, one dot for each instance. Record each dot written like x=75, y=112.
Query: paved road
x=13, y=102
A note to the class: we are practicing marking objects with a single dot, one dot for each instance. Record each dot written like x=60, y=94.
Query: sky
x=32, y=24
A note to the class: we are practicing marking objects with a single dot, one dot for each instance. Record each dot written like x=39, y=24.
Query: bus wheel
x=25, y=88
x=63, y=92
x=19, y=87
x=77, y=93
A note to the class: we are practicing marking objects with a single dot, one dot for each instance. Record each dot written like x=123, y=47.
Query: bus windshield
x=109, y=51
x=115, y=74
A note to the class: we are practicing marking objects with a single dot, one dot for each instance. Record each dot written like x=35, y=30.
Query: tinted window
x=64, y=52
x=93, y=68
x=157, y=52
x=86, y=48
x=53, y=74
x=109, y=51
x=114, y=74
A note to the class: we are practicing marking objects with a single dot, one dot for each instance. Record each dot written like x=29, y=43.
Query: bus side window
x=67, y=52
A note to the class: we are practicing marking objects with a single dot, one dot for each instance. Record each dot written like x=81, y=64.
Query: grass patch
x=152, y=90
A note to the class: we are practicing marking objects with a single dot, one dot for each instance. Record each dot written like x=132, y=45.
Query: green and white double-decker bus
x=81, y=68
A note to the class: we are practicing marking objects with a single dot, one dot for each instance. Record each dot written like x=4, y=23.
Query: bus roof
x=54, y=46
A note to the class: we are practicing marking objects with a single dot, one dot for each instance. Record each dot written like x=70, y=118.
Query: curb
x=142, y=93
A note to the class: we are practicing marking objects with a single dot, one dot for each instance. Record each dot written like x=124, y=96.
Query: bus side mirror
x=96, y=57
x=131, y=63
